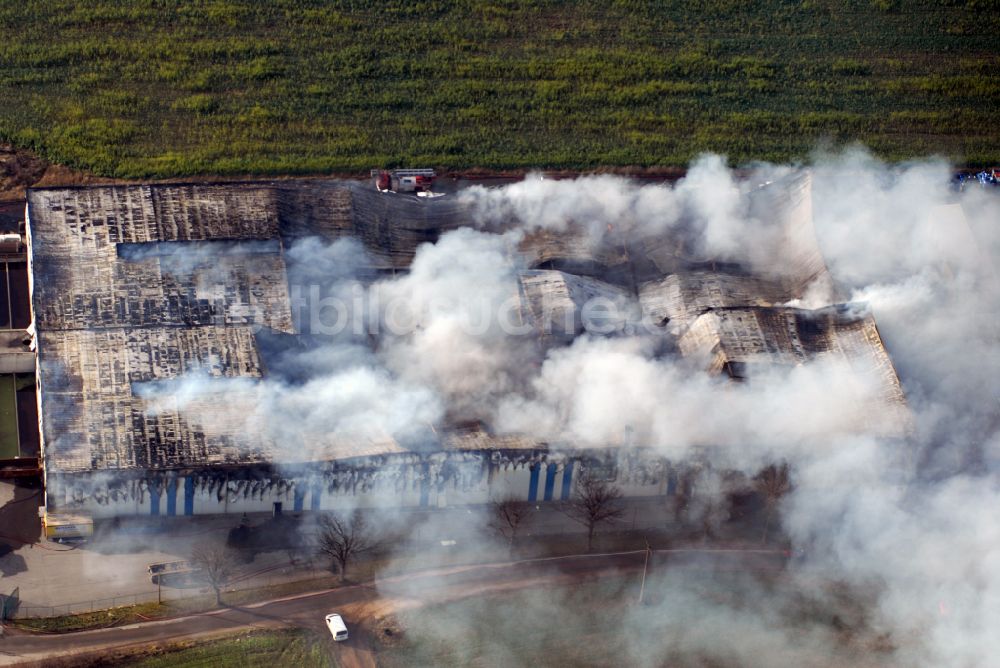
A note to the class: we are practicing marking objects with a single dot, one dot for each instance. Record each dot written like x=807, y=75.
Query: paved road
x=396, y=592
x=55, y=579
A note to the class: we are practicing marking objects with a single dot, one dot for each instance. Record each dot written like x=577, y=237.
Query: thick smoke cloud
x=447, y=322
x=706, y=209
x=906, y=519
x=598, y=391
x=909, y=520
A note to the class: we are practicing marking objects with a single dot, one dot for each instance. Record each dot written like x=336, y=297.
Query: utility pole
x=645, y=567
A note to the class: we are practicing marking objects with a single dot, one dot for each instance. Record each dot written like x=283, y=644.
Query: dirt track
x=21, y=169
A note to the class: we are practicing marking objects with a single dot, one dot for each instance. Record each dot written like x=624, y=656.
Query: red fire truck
x=416, y=181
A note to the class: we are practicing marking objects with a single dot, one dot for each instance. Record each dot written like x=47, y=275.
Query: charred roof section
x=739, y=340
x=134, y=287
x=134, y=284
x=390, y=226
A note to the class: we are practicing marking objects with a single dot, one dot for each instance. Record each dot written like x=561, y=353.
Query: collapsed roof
x=140, y=283
x=133, y=284
x=735, y=340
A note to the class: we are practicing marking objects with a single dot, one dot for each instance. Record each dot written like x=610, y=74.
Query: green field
x=150, y=88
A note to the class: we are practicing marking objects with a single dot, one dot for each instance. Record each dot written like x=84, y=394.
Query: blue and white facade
x=436, y=480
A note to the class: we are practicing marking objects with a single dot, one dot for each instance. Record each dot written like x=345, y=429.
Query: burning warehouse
x=174, y=357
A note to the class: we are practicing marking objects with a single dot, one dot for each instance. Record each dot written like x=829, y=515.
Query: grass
x=92, y=620
x=144, y=611
x=8, y=420
x=515, y=629
x=139, y=88
x=420, y=557
x=361, y=571
x=263, y=649
x=600, y=623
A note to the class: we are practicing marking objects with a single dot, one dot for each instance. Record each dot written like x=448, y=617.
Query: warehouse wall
x=472, y=482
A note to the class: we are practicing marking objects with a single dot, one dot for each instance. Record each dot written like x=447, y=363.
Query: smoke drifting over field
x=909, y=521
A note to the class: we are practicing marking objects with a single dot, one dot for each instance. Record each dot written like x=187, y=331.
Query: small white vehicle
x=335, y=623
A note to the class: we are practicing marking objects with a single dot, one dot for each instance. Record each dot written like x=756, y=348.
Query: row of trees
x=343, y=539
x=593, y=502
x=340, y=538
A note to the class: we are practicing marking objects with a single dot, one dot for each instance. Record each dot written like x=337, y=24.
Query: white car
x=335, y=623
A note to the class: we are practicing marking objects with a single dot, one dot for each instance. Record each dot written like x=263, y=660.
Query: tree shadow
x=11, y=564
x=19, y=524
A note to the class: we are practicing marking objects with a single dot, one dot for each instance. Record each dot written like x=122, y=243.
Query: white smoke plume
x=708, y=203
x=444, y=321
x=909, y=520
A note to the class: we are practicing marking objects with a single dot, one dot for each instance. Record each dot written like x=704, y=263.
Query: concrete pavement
x=110, y=569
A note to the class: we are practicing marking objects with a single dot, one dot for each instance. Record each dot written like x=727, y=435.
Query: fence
x=9, y=604
x=30, y=611
x=166, y=594
x=630, y=532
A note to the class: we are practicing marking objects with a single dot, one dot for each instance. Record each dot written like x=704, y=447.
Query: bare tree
x=509, y=513
x=707, y=503
x=682, y=496
x=215, y=565
x=772, y=484
x=344, y=539
x=593, y=502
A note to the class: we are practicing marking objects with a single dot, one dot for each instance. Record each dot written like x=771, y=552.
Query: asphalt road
x=406, y=590
x=55, y=579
